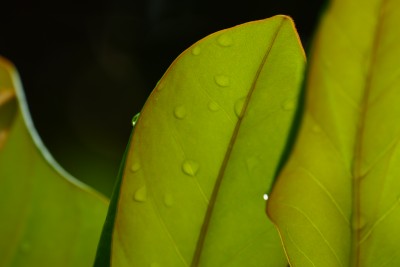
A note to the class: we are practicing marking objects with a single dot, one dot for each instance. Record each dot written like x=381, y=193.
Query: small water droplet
x=135, y=119
x=135, y=167
x=222, y=80
x=180, y=112
x=213, y=106
x=224, y=40
x=190, y=167
x=141, y=194
x=289, y=104
x=196, y=50
x=239, y=106
x=168, y=200
x=265, y=197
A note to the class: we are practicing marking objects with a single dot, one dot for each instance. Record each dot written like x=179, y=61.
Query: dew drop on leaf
x=190, y=167
x=168, y=200
x=224, y=40
x=239, y=106
x=135, y=119
x=141, y=194
x=180, y=112
x=213, y=106
x=222, y=80
x=196, y=50
x=135, y=167
x=265, y=197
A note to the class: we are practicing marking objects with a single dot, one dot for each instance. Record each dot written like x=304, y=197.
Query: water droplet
x=135, y=119
x=190, y=167
x=222, y=80
x=289, y=104
x=180, y=112
x=224, y=40
x=135, y=167
x=265, y=197
x=196, y=50
x=141, y=194
x=168, y=200
x=213, y=106
x=239, y=106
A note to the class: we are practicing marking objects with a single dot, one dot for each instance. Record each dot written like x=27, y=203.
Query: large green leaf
x=336, y=203
x=47, y=217
x=205, y=150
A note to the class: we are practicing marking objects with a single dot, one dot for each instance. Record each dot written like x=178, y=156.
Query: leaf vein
x=179, y=144
x=201, y=240
x=298, y=248
x=326, y=191
x=222, y=108
x=243, y=248
x=162, y=221
x=379, y=220
x=318, y=231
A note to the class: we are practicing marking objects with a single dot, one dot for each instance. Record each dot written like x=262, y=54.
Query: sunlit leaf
x=205, y=150
x=47, y=217
x=336, y=203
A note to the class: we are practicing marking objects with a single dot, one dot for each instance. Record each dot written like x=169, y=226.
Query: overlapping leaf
x=47, y=218
x=336, y=202
x=205, y=150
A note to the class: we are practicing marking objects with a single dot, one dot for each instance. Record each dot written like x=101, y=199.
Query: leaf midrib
x=214, y=195
x=358, y=148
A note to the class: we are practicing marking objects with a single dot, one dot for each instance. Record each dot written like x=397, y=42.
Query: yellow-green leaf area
x=208, y=142
x=336, y=202
x=47, y=217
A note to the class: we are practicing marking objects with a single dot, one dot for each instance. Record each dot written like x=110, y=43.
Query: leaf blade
x=32, y=185
x=347, y=143
x=196, y=114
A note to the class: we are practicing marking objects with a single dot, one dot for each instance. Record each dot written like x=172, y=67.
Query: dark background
x=87, y=69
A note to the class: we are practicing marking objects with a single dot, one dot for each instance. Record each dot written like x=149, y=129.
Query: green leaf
x=47, y=217
x=205, y=150
x=336, y=202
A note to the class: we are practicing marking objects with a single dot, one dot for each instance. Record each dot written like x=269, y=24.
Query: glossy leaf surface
x=336, y=203
x=47, y=217
x=205, y=150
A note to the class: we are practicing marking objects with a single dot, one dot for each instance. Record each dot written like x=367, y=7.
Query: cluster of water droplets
x=140, y=195
x=190, y=167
